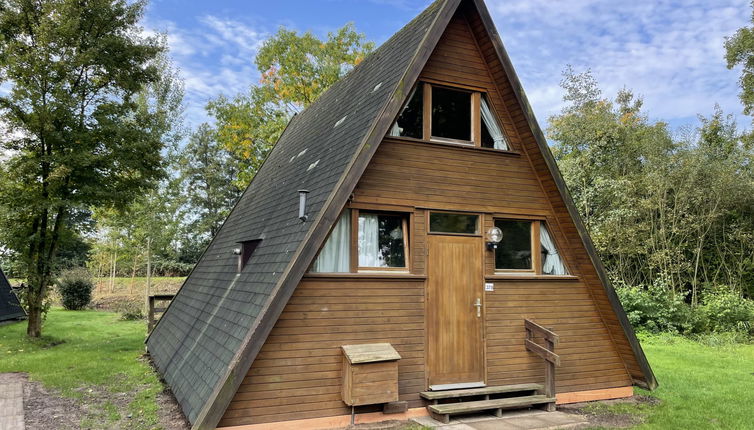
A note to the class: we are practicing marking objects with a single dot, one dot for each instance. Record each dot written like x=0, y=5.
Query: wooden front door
x=455, y=284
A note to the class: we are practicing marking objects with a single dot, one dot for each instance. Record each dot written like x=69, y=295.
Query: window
x=335, y=256
x=382, y=240
x=244, y=252
x=514, y=251
x=444, y=222
x=520, y=239
x=409, y=123
x=368, y=240
x=451, y=114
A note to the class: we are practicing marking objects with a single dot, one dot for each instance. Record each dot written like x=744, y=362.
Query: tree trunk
x=34, y=327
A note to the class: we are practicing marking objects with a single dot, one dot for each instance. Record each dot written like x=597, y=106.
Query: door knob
x=478, y=304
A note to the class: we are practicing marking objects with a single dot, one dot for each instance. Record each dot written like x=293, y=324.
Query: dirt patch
x=171, y=417
x=618, y=413
x=45, y=409
x=95, y=408
x=386, y=425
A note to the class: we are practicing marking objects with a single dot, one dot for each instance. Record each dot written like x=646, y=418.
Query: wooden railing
x=547, y=353
x=163, y=300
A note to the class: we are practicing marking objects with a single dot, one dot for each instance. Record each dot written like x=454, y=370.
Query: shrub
x=75, y=287
x=129, y=310
x=726, y=311
x=657, y=309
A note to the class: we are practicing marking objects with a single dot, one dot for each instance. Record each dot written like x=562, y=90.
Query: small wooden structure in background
x=370, y=374
x=163, y=300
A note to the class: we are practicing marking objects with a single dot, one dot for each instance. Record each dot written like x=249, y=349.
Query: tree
x=80, y=137
x=667, y=211
x=739, y=51
x=208, y=173
x=296, y=70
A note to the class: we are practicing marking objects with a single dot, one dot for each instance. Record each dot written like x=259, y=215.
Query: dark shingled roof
x=10, y=308
x=208, y=338
x=199, y=337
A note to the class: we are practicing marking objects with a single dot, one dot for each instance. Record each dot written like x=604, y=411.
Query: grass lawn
x=87, y=350
x=701, y=387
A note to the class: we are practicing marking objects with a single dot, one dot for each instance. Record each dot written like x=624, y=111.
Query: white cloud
x=669, y=52
x=215, y=57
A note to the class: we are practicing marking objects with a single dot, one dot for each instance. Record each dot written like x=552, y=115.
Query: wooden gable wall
x=297, y=374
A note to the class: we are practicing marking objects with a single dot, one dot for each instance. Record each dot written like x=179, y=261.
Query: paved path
x=516, y=420
x=12, y=401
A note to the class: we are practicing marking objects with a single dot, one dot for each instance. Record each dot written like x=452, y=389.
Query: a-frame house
x=435, y=221
x=10, y=308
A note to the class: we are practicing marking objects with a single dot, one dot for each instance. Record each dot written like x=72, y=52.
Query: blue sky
x=669, y=52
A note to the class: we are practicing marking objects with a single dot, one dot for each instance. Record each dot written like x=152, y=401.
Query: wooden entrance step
x=442, y=412
x=484, y=391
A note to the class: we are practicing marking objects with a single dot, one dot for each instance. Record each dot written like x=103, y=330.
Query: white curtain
x=395, y=130
x=552, y=264
x=493, y=127
x=369, y=242
x=335, y=255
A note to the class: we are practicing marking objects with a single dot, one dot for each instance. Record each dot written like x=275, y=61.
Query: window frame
x=407, y=222
x=476, y=117
x=536, y=257
x=479, y=223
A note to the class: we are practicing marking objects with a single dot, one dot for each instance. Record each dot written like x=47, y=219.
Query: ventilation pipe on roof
x=302, y=205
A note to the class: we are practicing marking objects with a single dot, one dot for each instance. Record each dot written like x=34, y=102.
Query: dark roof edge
x=23, y=315
x=212, y=241
x=213, y=410
x=650, y=381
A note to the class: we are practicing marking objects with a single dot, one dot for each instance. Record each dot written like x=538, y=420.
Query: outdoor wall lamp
x=302, y=205
x=494, y=236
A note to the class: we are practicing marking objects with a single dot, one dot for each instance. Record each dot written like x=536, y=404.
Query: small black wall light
x=494, y=236
x=302, y=205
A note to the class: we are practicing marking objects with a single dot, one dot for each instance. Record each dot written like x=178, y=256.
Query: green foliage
x=722, y=313
x=208, y=175
x=299, y=68
x=80, y=134
x=725, y=310
x=655, y=309
x=739, y=51
x=75, y=288
x=296, y=69
x=658, y=206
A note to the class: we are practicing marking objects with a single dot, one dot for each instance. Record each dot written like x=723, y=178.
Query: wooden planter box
x=370, y=374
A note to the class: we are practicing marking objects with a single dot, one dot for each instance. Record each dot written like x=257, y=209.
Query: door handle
x=478, y=305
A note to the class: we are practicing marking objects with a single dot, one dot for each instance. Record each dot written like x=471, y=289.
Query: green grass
x=701, y=387
x=87, y=350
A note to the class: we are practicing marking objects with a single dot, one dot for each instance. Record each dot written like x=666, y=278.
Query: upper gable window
x=451, y=114
x=409, y=123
